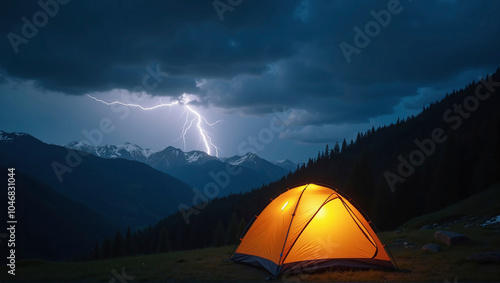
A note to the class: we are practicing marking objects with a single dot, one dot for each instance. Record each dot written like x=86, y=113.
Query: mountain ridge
x=126, y=193
x=190, y=166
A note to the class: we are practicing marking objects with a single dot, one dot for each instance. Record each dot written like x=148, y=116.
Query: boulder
x=450, y=238
x=431, y=247
x=486, y=257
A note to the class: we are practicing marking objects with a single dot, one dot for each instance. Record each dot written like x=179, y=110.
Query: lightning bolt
x=201, y=122
x=134, y=105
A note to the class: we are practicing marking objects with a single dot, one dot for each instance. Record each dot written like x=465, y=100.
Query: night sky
x=328, y=68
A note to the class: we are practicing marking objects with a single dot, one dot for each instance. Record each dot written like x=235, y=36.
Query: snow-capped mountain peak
x=172, y=157
x=286, y=164
x=4, y=136
x=238, y=160
x=126, y=150
x=194, y=156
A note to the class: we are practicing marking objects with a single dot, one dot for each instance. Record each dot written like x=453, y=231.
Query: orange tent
x=311, y=227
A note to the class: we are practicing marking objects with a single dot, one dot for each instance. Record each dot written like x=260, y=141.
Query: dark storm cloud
x=97, y=46
x=264, y=55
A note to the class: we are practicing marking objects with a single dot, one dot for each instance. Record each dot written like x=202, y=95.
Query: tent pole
x=288, y=231
x=377, y=233
x=241, y=237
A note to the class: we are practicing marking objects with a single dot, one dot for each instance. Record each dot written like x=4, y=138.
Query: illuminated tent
x=311, y=227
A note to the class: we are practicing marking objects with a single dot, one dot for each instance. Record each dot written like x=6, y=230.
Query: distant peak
x=76, y=144
x=4, y=136
x=249, y=155
x=172, y=148
x=13, y=133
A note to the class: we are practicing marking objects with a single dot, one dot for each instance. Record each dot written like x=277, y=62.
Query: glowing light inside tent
x=284, y=206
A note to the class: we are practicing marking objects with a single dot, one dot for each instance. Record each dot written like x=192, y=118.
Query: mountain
x=163, y=160
x=194, y=167
x=252, y=161
x=286, y=164
x=43, y=213
x=127, y=193
x=126, y=151
x=172, y=157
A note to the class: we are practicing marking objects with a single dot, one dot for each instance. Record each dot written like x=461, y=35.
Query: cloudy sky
x=280, y=78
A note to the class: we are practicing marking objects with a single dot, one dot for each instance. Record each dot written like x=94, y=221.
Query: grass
x=204, y=264
x=207, y=264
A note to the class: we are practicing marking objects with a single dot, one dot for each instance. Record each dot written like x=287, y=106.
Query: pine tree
x=445, y=187
x=336, y=149
x=241, y=228
x=96, y=250
x=309, y=162
x=163, y=241
x=303, y=166
x=179, y=240
x=359, y=184
x=128, y=243
x=219, y=234
x=383, y=206
x=106, y=248
x=496, y=150
x=344, y=146
x=231, y=230
x=117, y=245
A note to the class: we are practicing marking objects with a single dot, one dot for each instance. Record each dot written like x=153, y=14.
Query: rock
x=486, y=257
x=491, y=222
x=435, y=225
x=450, y=238
x=426, y=227
x=431, y=248
x=468, y=225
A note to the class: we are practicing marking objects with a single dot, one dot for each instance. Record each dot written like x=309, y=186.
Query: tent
x=311, y=227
